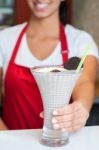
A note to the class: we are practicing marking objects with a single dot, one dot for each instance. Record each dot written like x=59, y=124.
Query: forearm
x=3, y=125
x=85, y=93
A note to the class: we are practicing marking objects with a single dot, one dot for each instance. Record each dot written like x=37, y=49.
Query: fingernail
x=56, y=126
x=54, y=120
x=55, y=112
x=63, y=129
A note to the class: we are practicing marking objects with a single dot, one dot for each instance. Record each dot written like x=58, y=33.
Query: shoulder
x=76, y=33
x=8, y=38
x=11, y=32
x=78, y=40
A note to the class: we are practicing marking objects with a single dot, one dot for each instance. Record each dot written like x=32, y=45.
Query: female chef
x=44, y=40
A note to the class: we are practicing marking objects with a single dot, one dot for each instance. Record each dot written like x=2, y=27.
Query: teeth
x=42, y=5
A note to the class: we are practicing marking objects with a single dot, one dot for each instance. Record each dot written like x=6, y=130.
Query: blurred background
x=82, y=14
x=6, y=13
x=86, y=16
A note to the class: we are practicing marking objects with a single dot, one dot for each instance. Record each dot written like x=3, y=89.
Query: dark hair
x=63, y=13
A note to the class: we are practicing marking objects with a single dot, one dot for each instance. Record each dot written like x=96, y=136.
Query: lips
x=39, y=5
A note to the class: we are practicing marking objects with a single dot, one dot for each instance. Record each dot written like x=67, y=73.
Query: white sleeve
x=1, y=57
x=82, y=43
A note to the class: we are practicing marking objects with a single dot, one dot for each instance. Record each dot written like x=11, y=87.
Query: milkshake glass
x=56, y=89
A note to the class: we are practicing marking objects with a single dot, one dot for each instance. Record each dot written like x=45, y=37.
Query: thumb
x=42, y=114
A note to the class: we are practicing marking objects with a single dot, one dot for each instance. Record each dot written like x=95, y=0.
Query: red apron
x=22, y=99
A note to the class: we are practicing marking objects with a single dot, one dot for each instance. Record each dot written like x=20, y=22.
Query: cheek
x=54, y=6
x=30, y=3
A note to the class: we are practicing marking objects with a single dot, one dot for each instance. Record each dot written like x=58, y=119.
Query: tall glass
x=56, y=89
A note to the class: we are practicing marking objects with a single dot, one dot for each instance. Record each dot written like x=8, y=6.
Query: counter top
x=86, y=139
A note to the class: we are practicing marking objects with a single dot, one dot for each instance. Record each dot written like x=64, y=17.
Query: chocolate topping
x=55, y=70
x=72, y=63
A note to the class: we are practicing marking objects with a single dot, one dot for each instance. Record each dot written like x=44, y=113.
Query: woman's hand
x=42, y=114
x=70, y=118
x=2, y=125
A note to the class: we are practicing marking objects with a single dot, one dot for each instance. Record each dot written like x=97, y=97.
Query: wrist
x=3, y=125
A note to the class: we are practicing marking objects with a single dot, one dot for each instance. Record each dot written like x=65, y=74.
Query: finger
x=62, y=125
x=77, y=127
x=64, y=118
x=69, y=129
x=42, y=114
x=71, y=123
x=81, y=121
x=66, y=129
x=68, y=109
x=70, y=117
x=72, y=129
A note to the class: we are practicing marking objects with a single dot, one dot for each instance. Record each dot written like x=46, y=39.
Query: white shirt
x=77, y=43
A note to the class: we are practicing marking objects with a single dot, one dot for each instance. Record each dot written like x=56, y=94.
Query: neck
x=48, y=26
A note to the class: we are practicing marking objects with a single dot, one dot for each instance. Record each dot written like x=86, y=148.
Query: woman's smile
x=44, y=8
x=40, y=5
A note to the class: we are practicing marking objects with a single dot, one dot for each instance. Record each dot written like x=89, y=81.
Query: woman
x=40, y=42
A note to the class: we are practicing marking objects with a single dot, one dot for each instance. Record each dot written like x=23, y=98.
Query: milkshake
x=56, y=85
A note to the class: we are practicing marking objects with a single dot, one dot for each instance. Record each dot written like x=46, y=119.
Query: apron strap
x=64, y=44
x=18, y=43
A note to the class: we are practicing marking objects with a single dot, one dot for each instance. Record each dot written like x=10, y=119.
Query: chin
x=41, y=15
